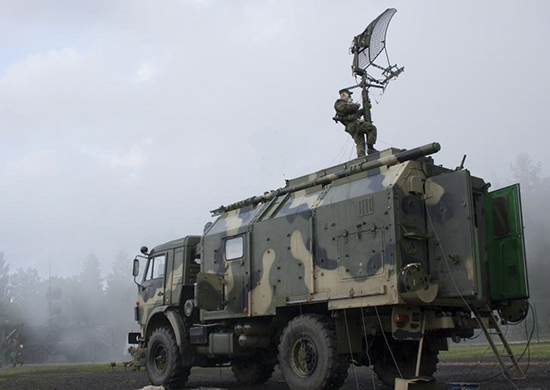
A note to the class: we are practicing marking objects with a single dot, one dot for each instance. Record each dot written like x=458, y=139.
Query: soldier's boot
x=370, y=149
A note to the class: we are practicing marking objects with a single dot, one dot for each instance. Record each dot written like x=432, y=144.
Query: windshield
x=155, y=267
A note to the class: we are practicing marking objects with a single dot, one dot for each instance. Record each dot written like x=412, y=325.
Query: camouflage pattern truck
x=377, y=261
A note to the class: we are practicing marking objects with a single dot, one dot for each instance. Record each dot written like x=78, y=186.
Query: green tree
x=120, y=293
x=534, y=192
x=28, y=297
x=529, y=175
x=89, y=296
x=91, y=280
x=5, y=294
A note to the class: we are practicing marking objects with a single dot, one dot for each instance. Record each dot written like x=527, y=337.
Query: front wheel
x=308, y=356
x=164, y=361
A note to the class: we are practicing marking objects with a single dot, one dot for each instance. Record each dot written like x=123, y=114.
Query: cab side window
x=234, y=248
x=155, y=268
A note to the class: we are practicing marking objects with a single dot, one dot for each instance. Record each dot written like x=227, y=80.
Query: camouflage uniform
x=350, y=115
x=138, y=357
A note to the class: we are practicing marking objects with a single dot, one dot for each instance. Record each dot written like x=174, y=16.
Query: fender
x=175, y=321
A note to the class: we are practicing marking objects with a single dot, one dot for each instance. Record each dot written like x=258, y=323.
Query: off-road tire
x=252, y=372
x=405, y=353
x=308, y=357
x=164, y=361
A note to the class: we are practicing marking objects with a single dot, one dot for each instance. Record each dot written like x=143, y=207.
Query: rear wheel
x=308, y=356
x=164, y=360
x=405, y=354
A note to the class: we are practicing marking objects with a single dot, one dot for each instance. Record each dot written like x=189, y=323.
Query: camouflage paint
x=449, y=207
x=331, y=236
x=334, y=242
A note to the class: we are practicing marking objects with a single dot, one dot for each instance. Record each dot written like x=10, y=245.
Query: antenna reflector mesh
x=370, y=43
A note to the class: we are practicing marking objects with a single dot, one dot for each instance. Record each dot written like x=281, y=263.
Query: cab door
x=152, y=288
x=237, y=265
x=505, y=244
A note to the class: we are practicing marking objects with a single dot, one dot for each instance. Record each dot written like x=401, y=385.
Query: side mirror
x=135, y=269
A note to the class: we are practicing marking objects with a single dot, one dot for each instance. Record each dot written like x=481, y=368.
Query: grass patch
x=477, y=352
x=91, y=368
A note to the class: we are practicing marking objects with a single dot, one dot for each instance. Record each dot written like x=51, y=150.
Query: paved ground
x=65, y=377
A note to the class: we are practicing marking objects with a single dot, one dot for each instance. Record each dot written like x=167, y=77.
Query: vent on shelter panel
x=366, y=206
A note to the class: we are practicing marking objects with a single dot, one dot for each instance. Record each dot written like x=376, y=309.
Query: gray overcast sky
x=122, y=123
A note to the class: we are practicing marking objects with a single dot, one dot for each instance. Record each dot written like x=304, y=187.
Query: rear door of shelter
x=506, y=247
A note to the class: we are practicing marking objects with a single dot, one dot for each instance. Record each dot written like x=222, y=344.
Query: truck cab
x=170, y=273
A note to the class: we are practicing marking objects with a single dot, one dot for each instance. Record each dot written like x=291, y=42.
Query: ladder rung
x=516, y=377
x=495, y=330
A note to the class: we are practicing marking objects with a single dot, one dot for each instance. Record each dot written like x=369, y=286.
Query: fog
x=123, y=123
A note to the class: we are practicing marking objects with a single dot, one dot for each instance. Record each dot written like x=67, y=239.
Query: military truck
x=377, y=261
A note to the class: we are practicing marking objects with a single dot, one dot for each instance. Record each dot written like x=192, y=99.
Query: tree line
x=535, y=189
x=84, y=300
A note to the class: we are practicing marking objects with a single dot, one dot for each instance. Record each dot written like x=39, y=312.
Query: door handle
x=160, y=293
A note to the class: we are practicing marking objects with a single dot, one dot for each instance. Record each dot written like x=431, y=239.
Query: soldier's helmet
x=130, y=349
x=345, y=90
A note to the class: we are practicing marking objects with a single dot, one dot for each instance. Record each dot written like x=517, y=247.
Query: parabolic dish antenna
x=367, y=46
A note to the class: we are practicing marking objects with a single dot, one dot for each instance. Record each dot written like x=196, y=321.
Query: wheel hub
x=303, y=356
x=161, y=358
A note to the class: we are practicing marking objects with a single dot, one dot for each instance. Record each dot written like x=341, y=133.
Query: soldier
x=138, y=358
x=16, y=352
x=349, y=113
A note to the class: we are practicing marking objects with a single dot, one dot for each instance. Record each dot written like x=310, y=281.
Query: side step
x=493, y=324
